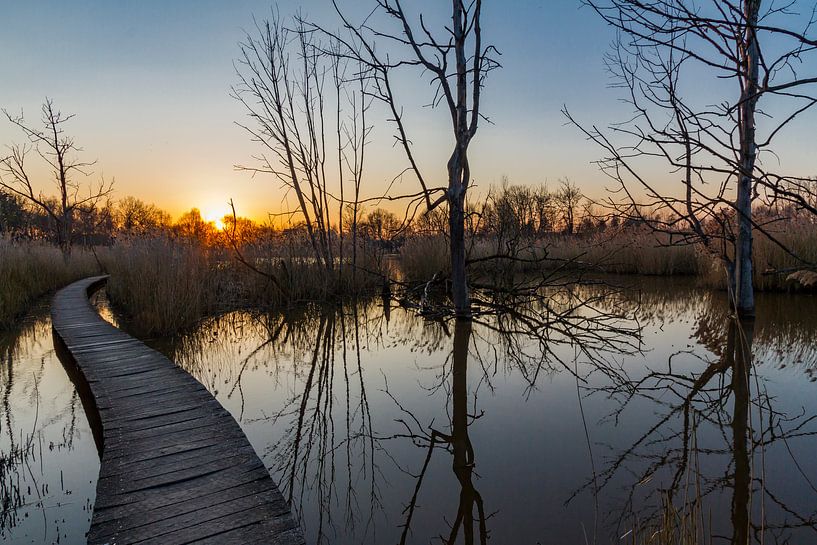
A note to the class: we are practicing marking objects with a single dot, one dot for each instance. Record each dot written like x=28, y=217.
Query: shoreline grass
x=31, y=270
x=164, y=285
x=631, y=251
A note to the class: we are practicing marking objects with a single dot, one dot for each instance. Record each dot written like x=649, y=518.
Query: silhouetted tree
x=59, y=152
x=13, y=215
x=381, y=225
x=458, y=63
x=568, y=198
x=135, y=217
x=192, y=226
x=667, y=47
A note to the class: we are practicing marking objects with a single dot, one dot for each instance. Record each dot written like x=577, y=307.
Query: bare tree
x=59, y=152
x=568, y=198
x=135, y=217
x=665, y=46
x=458, y=63
x=282, y=83
x=284, y=98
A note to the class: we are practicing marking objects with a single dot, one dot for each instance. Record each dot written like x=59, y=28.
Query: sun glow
x=215, y=215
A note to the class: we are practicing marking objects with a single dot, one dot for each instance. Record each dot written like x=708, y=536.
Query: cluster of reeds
x=162, y=284
x=421, y=257
x=283, y=271
x=33, y=269
x=791, y=244
x=633, y=251
x=167, y=284
x=674, y=525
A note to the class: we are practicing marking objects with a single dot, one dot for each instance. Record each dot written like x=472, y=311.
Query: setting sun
x=371, y=271
x=215, y=214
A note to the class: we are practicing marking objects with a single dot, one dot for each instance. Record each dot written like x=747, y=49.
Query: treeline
x=509, y=212
x=130, y=218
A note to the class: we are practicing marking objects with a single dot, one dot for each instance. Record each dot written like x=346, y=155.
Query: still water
x=383, y=426
x=49, y=462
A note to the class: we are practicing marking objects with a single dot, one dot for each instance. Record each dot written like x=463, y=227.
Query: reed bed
x=422, y=257
x=772, y=263
x=31, y=270
x=635, y=252
x=164, y=285
x=626, y=251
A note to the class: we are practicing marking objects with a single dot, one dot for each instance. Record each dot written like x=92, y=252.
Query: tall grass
x=422, y=257
x=30, y=270
x=626, y=251
x=685, y=525
x=633, y=251
x=161, y=284
x=630, y=252
x=164, y=284
x=772, y=263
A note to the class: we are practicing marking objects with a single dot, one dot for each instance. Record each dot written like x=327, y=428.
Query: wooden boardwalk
x=176, y=467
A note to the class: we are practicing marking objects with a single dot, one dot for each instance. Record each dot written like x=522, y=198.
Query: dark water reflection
x=382, y=426
x=385, y=427
x=48, y=459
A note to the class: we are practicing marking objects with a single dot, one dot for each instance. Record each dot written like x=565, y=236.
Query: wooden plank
x=176, y=466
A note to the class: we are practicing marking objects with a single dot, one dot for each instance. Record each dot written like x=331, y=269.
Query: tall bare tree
x=283, y=72
x=667, y=47
x=458, y=62
x=60, y=154
x=281, y=87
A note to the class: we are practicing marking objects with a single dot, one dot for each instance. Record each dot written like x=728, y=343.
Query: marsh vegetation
x=429, y=360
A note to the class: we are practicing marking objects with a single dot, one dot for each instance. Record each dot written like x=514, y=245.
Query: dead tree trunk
x=458, y=63
x=459, y=278
x=749, y=58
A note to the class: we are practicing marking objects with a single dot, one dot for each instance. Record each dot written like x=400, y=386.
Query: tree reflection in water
x=363, y=455
x=43, y=431
x=470, y=516
x=720, y=416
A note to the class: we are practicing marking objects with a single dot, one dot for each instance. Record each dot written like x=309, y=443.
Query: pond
x=383, y=426
x=48, y=458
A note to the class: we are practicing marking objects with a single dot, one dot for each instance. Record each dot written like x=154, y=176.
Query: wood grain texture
x=175, y=466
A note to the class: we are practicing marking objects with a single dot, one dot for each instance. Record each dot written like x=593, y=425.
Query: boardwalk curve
x=175, y=466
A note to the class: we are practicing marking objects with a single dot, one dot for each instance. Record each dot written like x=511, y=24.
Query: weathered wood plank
x=176, y=467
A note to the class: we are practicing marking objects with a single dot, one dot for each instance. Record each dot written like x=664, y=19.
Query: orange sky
x=150, y=84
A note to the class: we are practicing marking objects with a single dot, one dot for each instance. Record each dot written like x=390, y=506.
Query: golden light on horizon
x=215, y=214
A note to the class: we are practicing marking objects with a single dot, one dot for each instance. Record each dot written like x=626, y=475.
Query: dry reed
x=30, y=270
x=626, y=251
x=630, y=252
x=164, y=285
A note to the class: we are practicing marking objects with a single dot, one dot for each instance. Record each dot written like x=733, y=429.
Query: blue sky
x=150, y=83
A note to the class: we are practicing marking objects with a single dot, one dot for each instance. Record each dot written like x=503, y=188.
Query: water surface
x=384, y=426
x=48, y=458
